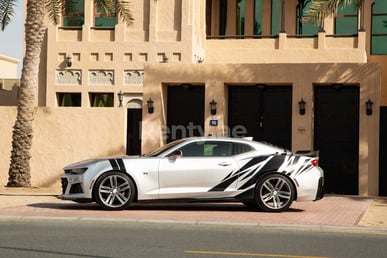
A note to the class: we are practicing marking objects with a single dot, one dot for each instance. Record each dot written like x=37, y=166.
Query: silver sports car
x=198, y=169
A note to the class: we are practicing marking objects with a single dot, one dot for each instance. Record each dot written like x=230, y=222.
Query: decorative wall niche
x=101, y=77
x=68, y=77
x=134, y=77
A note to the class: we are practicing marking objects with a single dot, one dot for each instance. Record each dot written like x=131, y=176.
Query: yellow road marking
x=252, y=254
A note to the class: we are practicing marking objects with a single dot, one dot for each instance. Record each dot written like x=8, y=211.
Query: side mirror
x=176, y=154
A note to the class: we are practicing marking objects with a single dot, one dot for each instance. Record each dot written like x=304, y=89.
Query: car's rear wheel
x=114, y=191
x=275, y=192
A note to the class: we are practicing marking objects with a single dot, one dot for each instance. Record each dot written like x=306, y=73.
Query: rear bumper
x=320, y=189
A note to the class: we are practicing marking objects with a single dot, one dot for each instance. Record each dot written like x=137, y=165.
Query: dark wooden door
x=264, y=112
x=336, y=136
x=383, y=152
x=185, y=112
x=133, y=132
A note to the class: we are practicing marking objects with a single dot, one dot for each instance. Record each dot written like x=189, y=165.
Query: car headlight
x=75, y=171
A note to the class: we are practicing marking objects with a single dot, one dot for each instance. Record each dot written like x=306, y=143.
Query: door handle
x=224, y=164
x=261, y=121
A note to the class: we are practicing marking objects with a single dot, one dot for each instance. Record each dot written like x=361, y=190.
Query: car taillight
x=314, y=162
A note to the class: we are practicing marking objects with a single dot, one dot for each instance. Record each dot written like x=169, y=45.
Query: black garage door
x=336, y=136
x=185, y=112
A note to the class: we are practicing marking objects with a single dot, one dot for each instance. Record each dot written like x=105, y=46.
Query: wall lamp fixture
x=120, y=98
x=69, y=61
x=150, y=106
x=213, y=107
x=369, y=104
x=301, y=105
x=165, y=59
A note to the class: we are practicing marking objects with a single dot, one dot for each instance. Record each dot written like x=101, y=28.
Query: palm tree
x=34, y=29
x=320, y=9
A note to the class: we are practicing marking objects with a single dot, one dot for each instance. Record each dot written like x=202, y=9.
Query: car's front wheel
x=275, y=192
x=114, y=191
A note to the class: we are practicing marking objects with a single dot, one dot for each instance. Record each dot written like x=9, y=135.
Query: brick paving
x=340, y=211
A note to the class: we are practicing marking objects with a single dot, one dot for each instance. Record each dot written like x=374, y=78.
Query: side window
x=104, y=20
x=208, y=149
x=304, y=28
x=346, y=20
x=214, y=149
x=257, y=17
x=74, y=13
x=220, y=149
x=275, y=16
x=240, y=16
x=379, y=28
x=69, y=99
x=195, y=149
x=222, y=17
x=239, y=148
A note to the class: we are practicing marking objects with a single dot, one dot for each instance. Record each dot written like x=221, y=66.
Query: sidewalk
x=332, y=211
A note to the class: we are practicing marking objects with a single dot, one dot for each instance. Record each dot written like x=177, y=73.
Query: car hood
x=88, y=162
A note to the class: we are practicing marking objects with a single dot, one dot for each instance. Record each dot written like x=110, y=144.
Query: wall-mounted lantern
x=120, y=98
x=213, y=107
x=165, y=59
x=150, y=106
x=69, y=61
x=301, y=105
x=369, y=104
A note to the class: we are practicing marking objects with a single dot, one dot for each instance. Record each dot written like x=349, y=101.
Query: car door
x=203, y=169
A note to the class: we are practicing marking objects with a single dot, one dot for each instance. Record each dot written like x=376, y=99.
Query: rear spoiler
x=309, y=153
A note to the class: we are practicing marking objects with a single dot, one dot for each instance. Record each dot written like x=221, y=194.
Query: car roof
x=246, y=140
x=220, y=138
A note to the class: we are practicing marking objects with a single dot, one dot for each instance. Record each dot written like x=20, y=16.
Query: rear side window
x=239, y=148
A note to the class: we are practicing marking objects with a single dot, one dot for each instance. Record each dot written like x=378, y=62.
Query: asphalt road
x=64, y=238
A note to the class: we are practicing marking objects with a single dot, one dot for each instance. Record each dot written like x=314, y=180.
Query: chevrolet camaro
x=202, y=169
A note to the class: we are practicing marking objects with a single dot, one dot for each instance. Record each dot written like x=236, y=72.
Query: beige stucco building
x=9, y=80
x=272, y=77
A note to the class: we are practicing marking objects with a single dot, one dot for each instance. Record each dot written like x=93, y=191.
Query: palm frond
x=105, y=6
x=123, y=10
x=320, y=9
x=6, y=12
x=54, y=10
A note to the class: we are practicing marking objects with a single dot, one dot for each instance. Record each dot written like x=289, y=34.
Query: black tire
x=251, y=204
x=114, y=191
x=274, y=193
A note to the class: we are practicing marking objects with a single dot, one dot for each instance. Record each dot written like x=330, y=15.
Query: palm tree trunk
x=19, y=171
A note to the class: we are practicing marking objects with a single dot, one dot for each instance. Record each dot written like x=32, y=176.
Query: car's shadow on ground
x=209, y=207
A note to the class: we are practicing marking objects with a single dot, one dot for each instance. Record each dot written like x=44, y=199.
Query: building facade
x=9, y=81
x=243, y=68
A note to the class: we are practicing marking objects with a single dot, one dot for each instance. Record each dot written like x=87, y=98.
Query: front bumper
x=73, y=188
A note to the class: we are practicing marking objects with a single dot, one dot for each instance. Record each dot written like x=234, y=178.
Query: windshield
x=164, y=148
